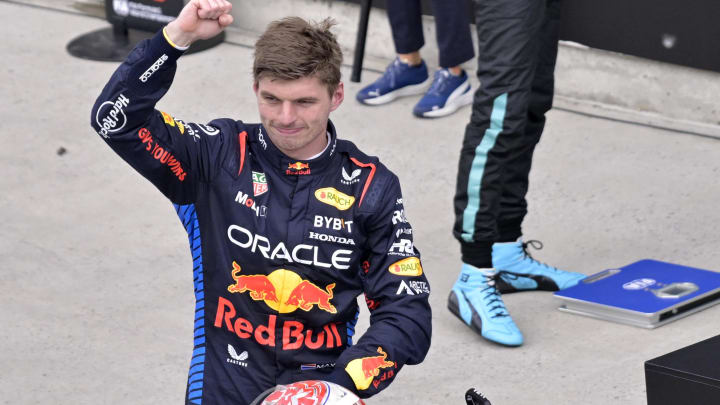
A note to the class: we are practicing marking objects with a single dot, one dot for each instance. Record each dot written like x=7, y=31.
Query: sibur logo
x=283, y=290
x=331, y=196
x=365, y=369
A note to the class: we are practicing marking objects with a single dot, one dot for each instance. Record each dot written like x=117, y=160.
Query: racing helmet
x=309, y=392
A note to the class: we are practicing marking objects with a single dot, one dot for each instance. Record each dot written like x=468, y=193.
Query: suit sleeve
x=172, y=154
x=397, y=293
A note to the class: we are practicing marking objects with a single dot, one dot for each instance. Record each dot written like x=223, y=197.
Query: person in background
x=407, y=75
x=517, y=47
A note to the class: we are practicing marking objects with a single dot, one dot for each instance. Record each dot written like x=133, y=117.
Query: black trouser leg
x=507, y=58
x=513, y=205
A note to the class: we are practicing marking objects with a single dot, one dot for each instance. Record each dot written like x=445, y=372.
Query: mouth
x=287, y=131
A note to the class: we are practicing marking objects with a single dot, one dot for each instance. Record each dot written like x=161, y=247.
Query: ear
x=337, y=97
x=255, y=87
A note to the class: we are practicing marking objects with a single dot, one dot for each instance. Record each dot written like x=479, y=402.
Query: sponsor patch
x=365, y=369
x=413, y=287
x=209, y=131
x=321, y=221
x=235, y=358
x=261, y=139
x=245, y=200
x=348, y=179
x=283, y=290
x=399, y=217
x=304, y=254
x=259, y=183
x=331, y=196
x=153, y=68
x=170, y=121
x=160, y=154
x=110, y=116
x=406, y=267
x=295, y=335
x=298, y=169
x=403, y=247
x=331, y=238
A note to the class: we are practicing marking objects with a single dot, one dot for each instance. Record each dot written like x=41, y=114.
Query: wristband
x=178, y=47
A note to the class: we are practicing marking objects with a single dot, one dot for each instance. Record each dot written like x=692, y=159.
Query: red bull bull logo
x=298, y=168
x=261, y=289
x=283, y=290
x=307, y=294
x=365, y=369
x=295, y=335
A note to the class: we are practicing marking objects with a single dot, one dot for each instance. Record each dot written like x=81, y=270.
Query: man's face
x=295, y=113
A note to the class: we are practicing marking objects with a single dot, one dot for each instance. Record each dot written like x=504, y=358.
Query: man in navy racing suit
x=287, y=224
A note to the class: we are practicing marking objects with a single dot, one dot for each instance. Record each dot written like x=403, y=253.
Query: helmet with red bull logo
x=309, y=392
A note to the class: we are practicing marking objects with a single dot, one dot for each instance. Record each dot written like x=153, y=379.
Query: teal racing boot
x=518, y=271
x=477, y=303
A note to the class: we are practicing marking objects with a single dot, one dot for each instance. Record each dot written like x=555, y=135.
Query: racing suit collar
x=293, y=167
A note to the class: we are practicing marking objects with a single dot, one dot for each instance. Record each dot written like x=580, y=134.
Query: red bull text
x=295, y=335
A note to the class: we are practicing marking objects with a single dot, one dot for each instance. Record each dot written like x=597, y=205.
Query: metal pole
x=365, y=6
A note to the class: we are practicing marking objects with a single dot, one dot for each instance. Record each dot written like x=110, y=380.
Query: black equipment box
x=690, y=375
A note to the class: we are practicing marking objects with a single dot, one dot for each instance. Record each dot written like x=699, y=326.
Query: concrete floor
x=96, y=302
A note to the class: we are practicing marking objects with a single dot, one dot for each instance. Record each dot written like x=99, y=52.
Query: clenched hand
x=199, y=19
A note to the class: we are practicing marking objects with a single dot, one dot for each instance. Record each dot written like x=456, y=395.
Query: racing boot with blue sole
x=477, y=303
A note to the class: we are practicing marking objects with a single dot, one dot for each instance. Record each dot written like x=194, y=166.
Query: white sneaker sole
x=456, y=100
x=411, y=90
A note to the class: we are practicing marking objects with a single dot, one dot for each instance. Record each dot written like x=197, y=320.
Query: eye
x=270, y=99
x=306, y=102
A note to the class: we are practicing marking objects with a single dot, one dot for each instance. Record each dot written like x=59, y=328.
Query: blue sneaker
x=518, y=271
x=399, y=79
x=446, y=94
x=476, y=302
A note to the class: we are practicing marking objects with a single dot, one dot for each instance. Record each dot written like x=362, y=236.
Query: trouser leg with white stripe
x=517, y=42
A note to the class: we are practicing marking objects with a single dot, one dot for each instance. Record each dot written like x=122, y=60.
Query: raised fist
x=199, y=19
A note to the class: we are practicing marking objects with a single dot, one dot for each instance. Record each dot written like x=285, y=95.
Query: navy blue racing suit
x=281, y=247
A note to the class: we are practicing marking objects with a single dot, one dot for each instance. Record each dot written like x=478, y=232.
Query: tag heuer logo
x=259, y=183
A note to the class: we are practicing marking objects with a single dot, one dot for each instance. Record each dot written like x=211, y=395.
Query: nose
x=287, y=114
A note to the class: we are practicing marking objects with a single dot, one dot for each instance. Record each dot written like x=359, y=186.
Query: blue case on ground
x=647, y=293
